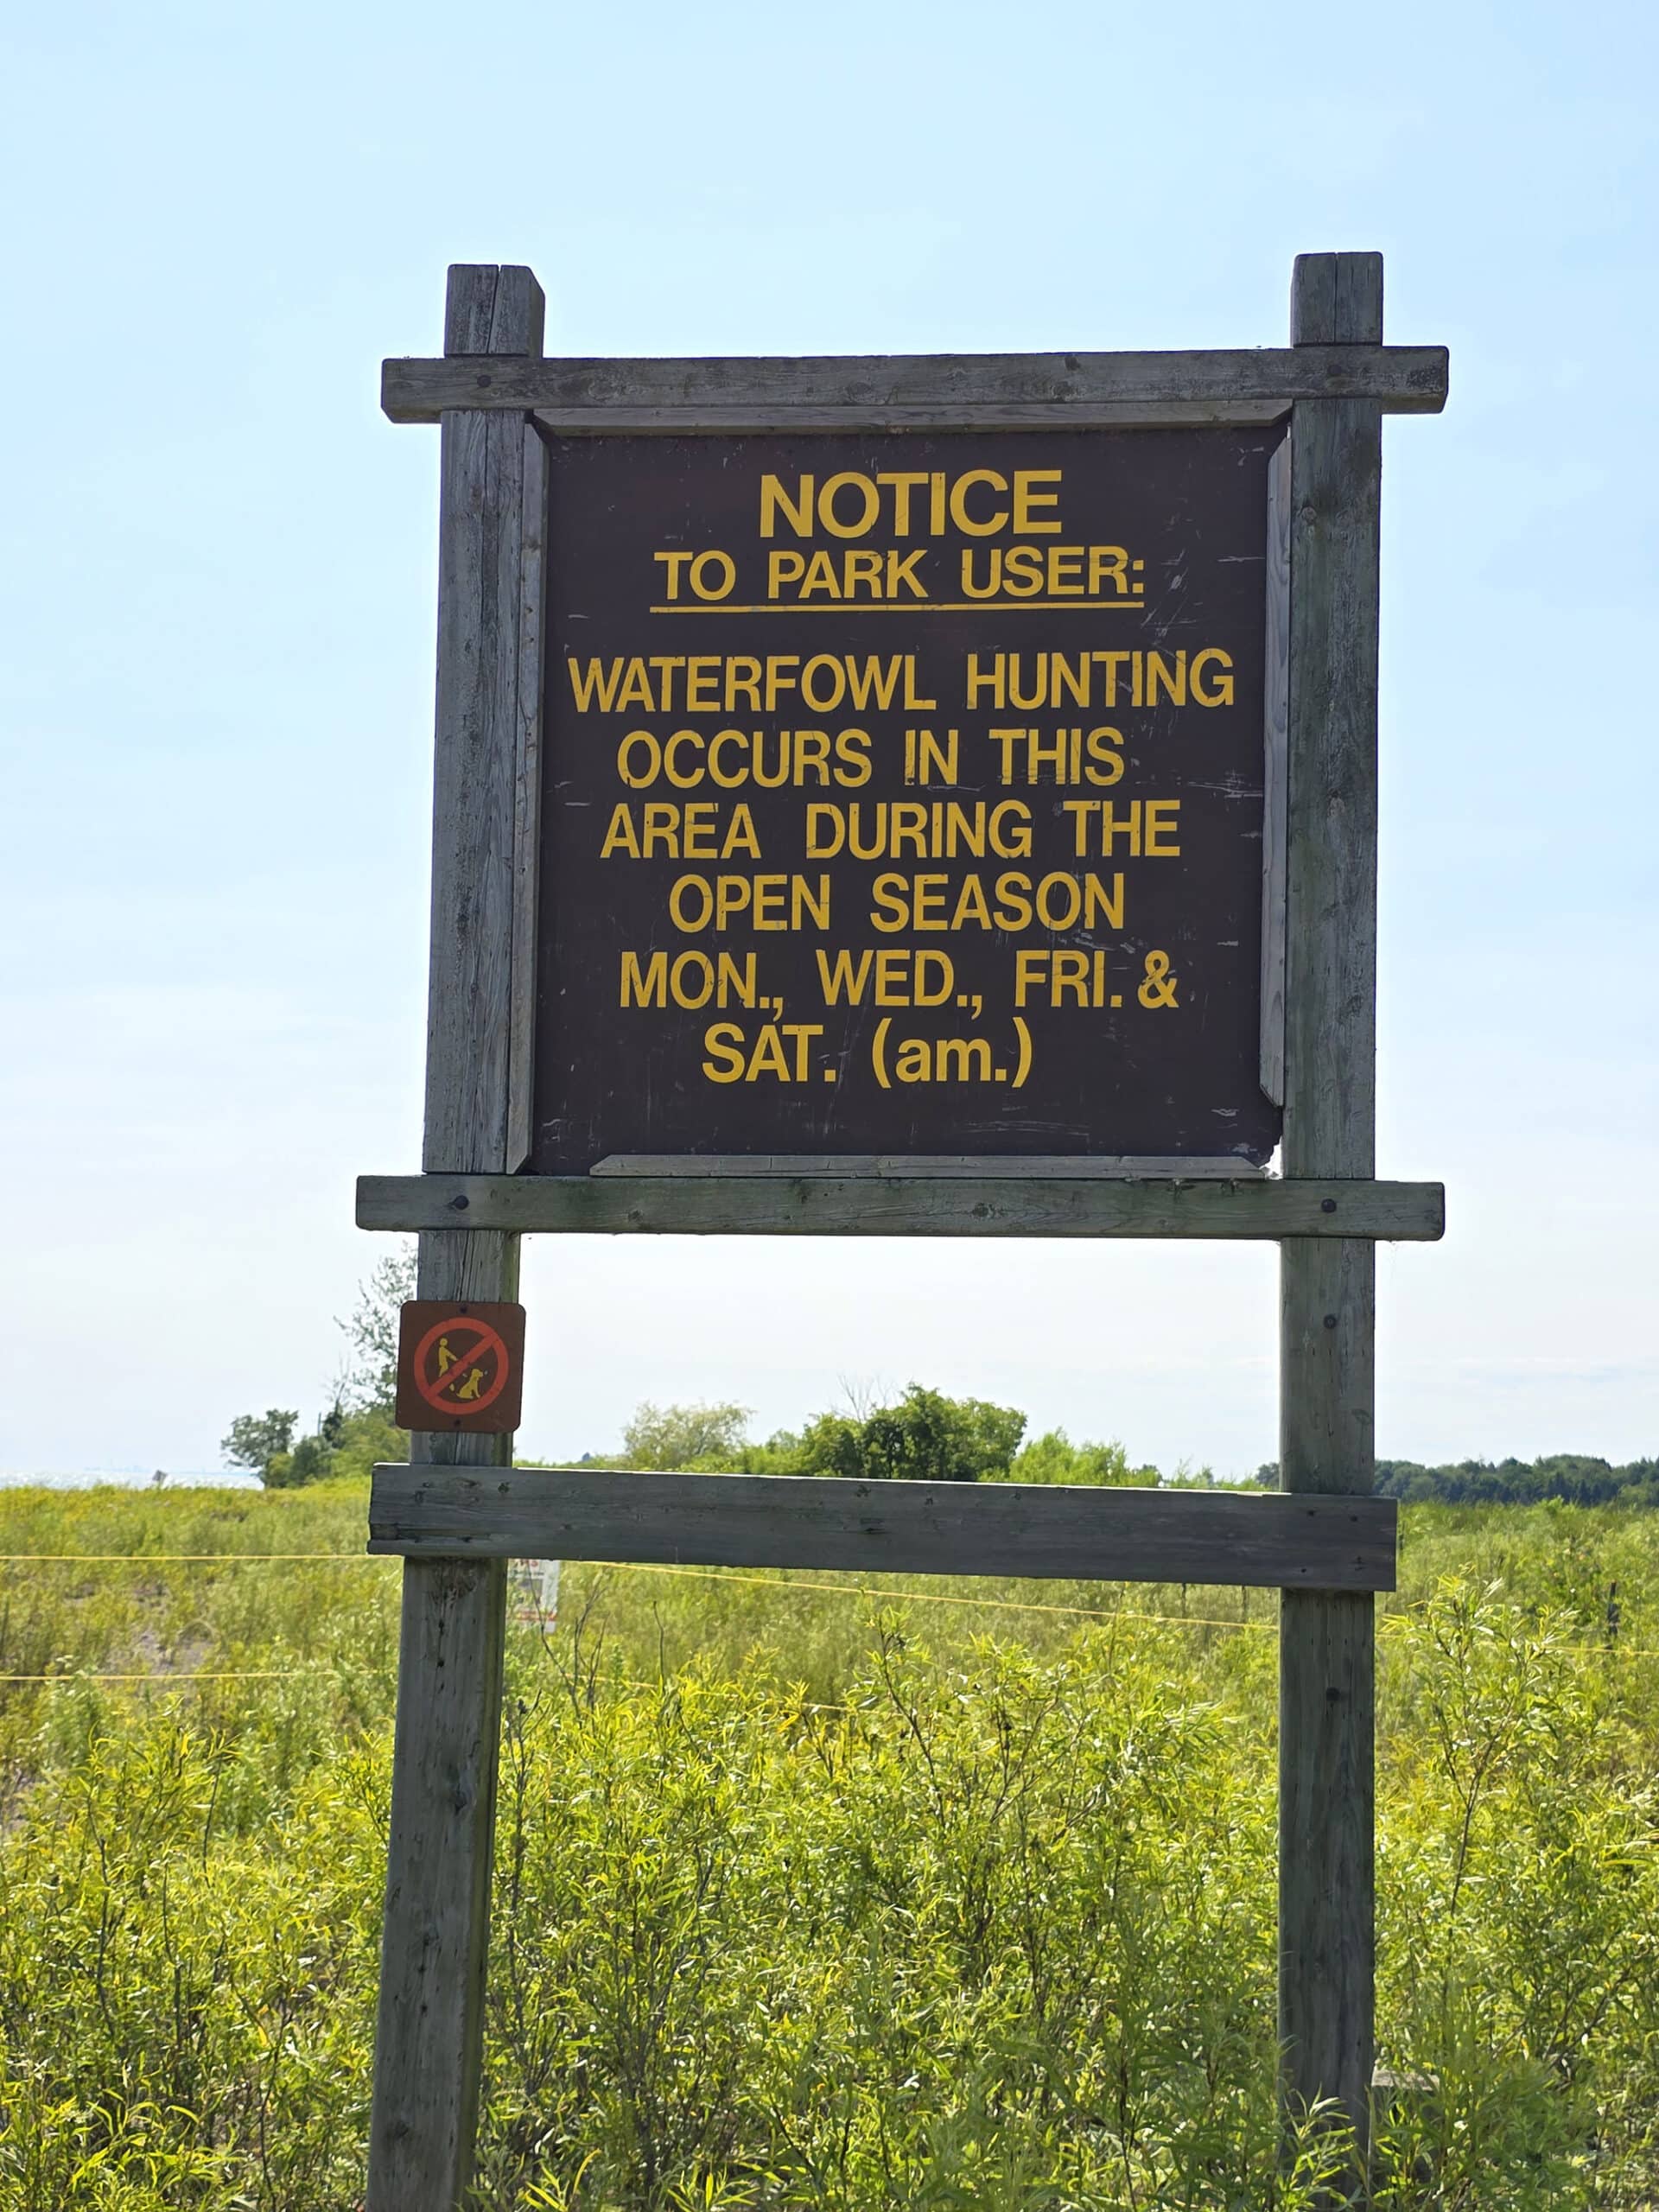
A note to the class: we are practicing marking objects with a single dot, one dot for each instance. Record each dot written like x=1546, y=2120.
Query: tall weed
x=806, y=1897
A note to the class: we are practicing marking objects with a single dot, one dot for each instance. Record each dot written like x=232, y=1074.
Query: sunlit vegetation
x=945, y=1895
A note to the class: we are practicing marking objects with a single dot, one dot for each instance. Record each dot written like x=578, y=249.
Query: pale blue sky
x=218, y=588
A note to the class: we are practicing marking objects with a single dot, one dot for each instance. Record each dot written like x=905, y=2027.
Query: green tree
x=255, y=1439
x=369, y=1383
x=357, y=1428
x=926, y=1437
x=682, y=1438
x=309, y=1462
x=1053, y=1457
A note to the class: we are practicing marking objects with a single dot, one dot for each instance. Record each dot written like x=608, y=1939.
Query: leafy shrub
x=685, y=1438
x=925, y=1437
x=1053, y=1457
x=806, y=1897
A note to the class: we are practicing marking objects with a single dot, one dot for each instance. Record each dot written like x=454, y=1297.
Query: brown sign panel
x=903, y=794
x=461, y=1365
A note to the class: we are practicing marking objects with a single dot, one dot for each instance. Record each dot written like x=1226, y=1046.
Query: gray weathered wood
x=1266, y=1540
x=491, y=310
x=527, y=806
x=429, y=2036
x=605, y=1206
x=1327, y=1307
x=430, y=2028
x=1061, y=1166
x=1276, y=733
x=927, y=390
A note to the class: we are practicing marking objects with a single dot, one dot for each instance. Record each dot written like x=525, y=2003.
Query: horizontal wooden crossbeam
x=920, y=391
x=948, y=1205
x=1058, y=1167
x=1269, y=1540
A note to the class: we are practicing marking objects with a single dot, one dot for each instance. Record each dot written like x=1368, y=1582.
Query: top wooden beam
x=920, y=391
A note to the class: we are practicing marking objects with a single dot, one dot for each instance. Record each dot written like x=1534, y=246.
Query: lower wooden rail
x=1268, y=1539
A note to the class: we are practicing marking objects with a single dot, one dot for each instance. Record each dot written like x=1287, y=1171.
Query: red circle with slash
x=434, y=1390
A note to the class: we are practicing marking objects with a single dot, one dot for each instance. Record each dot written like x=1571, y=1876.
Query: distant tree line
x=924, y=1436
x=1572, y=1476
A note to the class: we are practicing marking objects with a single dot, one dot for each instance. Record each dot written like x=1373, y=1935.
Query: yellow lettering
x=904, y=572
x=726, y=1065
x=1161, y=825
x=843, y=978
x=892, y=908
x=636, y=686
x=970, y=589
x=995, y=681
x=1022, y=570
x=1024, y=498
x=1064, y=573
x=960, y=1054
x=1109, y=765
x=774, y=500
x=959, y=513
x=699, y=821
x=1219, y=695
x=902, y=486
x=820, y=576
x=1108, y=563
x=619, y=836
x=595, y=681
x=648, y=989
x=720, y=566
x=869, y=500
x=674, y=563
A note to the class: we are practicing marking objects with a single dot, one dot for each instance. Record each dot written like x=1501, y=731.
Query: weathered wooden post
x=1327, y=1309
x=429, y=2033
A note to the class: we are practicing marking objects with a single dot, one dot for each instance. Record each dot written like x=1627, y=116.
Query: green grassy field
x=945, y=1895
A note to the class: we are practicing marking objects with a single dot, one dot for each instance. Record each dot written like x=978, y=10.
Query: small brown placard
x=461, y=1365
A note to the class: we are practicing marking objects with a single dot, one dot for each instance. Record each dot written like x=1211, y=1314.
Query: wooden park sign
x=915, y=796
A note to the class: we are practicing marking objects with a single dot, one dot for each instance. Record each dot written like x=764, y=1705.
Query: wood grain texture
x=491, y=310
x=527, y=806
x=434, y=1942
x=1330, y=955
x=475, y=792
x=1265, y=1540
x=940, y=391
x=1276, y=740
x=1327, y=1302
x=898, y=1206
x=1067, y=1167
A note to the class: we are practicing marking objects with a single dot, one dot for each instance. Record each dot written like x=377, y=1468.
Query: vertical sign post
x=1327, y=1308
x=428, y=2036
x=1077, y=1095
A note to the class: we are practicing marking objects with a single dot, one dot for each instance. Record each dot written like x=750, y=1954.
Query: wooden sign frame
x=1325, y=1542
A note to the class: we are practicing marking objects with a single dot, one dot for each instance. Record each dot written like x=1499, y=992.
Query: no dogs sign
x=460, y=1366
